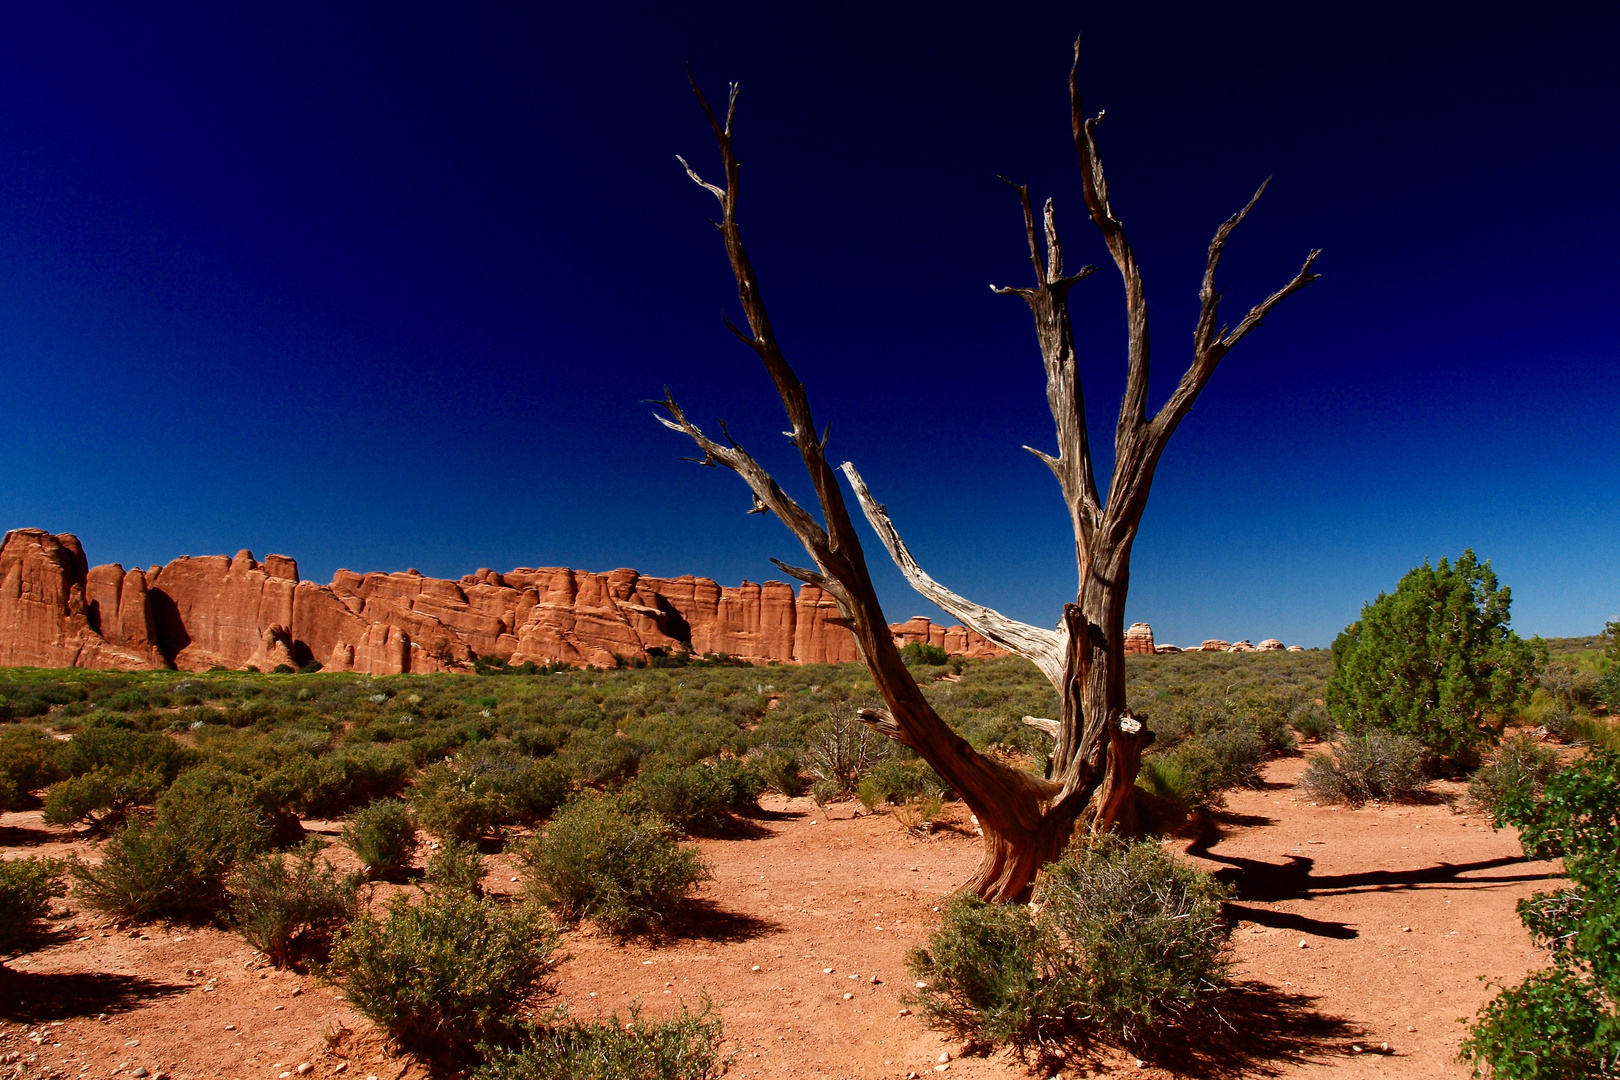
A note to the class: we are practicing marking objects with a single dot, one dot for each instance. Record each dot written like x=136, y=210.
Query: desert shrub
x=781, y=771
x=334, y=783
x=525, y=789
x=456, y=865
x=26, y=888
x=1600, y=733
x=604, y=858
x=897, y=781
x=988, y=971
x=1311, y=720
x=687, y=1046
x=100, y=798
x=110, y=746
x=1123, y=937
x=1520, y=763
x=286, y=905
x=177, y=866
x=918, y=654
x=1563, y=1021
x=1376, y=765
x=382, y=836
x=693, y=799
x=842, y=750
x=1174, y=777
x=1607, y=689
x=1145, y=927
x=699, y=798
x=600, y=757
x=27, y=763
x=446, y=974
x=453, y=805
x=1435, y=661
x=1193, y=772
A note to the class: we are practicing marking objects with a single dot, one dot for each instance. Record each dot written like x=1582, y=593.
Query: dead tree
x=1027, y=820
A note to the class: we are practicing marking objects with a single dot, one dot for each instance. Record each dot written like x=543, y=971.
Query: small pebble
x=944, y=1055
x=826, y=971
x=905, y=1012
x=139, y=1071
x=305, y=1068
x=756, y=967
x=230, y=1027
x=1302, y=944
x=848, y=996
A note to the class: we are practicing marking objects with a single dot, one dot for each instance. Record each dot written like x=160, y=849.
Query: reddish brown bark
x=1027, y=820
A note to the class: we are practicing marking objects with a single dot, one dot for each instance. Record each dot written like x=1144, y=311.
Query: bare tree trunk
x=1027, y=820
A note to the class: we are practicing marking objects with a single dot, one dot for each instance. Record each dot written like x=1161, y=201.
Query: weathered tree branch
x=1027, y=821
x=1009, y=801
x=1043, y=648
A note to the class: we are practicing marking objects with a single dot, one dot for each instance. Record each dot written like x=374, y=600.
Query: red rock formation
x=1215, y=645
x=46, y=619
x=1139, y=640
x=198, y=613
x=1271, y=644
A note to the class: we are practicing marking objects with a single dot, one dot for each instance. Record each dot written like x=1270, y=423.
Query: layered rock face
x=1139, y=640
x=215, y=611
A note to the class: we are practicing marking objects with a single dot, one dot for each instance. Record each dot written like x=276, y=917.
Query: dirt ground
x=1364, y=936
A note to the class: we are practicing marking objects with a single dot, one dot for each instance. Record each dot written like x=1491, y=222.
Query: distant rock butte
x=235, y=612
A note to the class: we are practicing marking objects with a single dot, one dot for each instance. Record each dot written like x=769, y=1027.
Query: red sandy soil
x=1363, y=938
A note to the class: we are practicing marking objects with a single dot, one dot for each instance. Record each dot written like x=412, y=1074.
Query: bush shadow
x=705, y=920
x=1254, y=1029
x=33, y=996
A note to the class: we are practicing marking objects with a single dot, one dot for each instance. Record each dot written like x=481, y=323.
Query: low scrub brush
x=447, y=974
x=687, y=1046
x=1376, y=765
x=606, y=859
x=288, y=905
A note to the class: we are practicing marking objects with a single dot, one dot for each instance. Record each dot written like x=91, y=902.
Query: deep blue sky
x=385, y=287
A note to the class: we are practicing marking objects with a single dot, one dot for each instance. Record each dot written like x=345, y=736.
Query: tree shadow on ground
x=27, y=996
x=1258, y=881
x=705, y=920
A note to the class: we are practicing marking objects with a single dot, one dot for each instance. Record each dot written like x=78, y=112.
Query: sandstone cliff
x=235, y=612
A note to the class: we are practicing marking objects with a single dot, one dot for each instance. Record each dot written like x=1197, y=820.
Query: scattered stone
x=847, y=997
x=756, y=967
x=1302, y=944
x=230, y=1027
x=944, y=1055
x=876, y=981
x=297, y=990
x=342, y=1066
x=826, y=971
x=138, y=1071
x=922, y=986
x=905, y=1012
x=304, y=1068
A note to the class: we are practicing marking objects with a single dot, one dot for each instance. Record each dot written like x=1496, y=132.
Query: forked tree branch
x=1010, y=798
x=1043, y=648
x=1138, y=443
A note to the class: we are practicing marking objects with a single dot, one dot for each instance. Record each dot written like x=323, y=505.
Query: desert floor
x=1364, y=936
